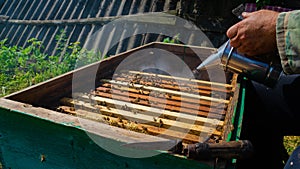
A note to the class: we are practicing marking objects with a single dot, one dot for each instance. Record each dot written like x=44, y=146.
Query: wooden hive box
x=136, y=96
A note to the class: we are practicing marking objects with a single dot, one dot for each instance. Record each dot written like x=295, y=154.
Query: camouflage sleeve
x=288, y=41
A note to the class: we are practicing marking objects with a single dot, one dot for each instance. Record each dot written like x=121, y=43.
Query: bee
x=134, y=112
x=59, y=109
x=131, y=83
x=219, y=128
x=103, y=103
x=120, y=120
x=231, y=127
x=169, y=96
x=141, y=91
x=160, y=123
x=27, y=105
x=137, y=76
x=145, y=129
x=43, y=158
x=72, y=109
x=107, y=90
x=136, y=100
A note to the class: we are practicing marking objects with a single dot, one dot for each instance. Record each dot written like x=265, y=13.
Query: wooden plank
x=187, y=138
x=185, y=79
x=179, y=125
x=143, y=91
x=228, y=127
x=155, y=111
x=157, y=103
x=173, y=86
x=170, y=82
x=164, y=101
x=167, y=91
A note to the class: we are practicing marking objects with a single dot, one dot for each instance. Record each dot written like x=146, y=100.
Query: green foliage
x=25, y=66
x=291, y=142
x=174, y=40
x=61, y=39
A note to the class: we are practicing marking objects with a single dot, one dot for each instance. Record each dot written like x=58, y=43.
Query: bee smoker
x=259, y=71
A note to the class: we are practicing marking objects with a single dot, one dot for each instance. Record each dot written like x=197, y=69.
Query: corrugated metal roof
x=22, y=20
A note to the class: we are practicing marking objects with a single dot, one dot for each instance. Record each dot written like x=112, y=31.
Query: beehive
x=146, y=102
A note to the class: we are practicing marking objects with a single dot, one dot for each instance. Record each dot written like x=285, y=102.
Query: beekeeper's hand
x=255, y=34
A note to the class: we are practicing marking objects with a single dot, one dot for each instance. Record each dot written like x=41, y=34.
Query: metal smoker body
x=264, y=73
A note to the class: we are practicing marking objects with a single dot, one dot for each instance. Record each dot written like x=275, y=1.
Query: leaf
x=21, y=61
x=167, y=40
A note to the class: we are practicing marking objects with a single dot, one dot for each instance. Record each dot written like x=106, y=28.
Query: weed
x=173, y=40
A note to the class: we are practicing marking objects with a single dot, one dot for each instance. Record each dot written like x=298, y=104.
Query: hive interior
x=157, y=104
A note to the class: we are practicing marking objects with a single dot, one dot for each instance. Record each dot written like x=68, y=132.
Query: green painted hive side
x=29, y=142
